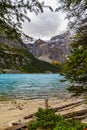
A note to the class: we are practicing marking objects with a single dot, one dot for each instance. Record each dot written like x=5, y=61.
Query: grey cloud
x=47, y=24
x=44, y=25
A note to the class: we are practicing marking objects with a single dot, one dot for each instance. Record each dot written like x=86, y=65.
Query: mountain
x=16, y=58
x=56, y=49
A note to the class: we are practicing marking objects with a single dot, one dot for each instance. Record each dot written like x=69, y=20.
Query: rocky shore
x=19, y=112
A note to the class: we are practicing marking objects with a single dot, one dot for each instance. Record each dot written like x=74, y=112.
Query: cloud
x=45, y=25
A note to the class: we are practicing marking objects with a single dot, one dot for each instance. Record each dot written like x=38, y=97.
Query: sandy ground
x=11, y=111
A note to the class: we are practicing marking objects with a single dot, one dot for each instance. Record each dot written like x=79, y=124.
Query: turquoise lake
x=29, y=86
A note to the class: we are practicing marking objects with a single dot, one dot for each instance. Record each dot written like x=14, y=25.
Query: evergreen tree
x=76, y=66
x=14, y=12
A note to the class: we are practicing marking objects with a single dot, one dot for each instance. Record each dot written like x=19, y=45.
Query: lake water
x=29, y=86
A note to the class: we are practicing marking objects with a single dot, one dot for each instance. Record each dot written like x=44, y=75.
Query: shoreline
x=62, y=95
x=18, y=109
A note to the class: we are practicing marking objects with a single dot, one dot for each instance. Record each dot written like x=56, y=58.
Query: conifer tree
x=14, y=12
x=76, y=66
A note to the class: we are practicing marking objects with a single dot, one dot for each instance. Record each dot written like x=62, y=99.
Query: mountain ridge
x=16, y=58
x=56, y=49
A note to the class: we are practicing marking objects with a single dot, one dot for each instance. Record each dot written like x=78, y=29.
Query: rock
x=29, y=116
x=19, y=107
x=17, y=127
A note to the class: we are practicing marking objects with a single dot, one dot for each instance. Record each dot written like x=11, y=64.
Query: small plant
x=46, y=119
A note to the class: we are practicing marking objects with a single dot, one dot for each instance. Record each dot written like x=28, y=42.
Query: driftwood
x=17, y=127
x=29, y=116
x=16, y=123
x=59, y=108
x=69, y=105
x=81, y=117
x=82, y=114
x=75, y=114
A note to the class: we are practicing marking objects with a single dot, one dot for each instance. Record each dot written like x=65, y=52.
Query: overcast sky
x=47, y=24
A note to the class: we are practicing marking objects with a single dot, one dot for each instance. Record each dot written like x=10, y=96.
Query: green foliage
x=18, y=10
x=76, y=9
x=46, y=119
x=69, y=125
x=75, y=68
x=16, y=58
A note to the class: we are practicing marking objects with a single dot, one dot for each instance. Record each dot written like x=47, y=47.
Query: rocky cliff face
x=16, y=58
x=56, y=49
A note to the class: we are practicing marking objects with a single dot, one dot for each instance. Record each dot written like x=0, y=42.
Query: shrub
x=45, y=119
x=69, y=125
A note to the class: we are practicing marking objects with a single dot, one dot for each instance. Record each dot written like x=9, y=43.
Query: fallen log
x=75, y=114
x=68, y=105
x=58, y=108
x=80, y=117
